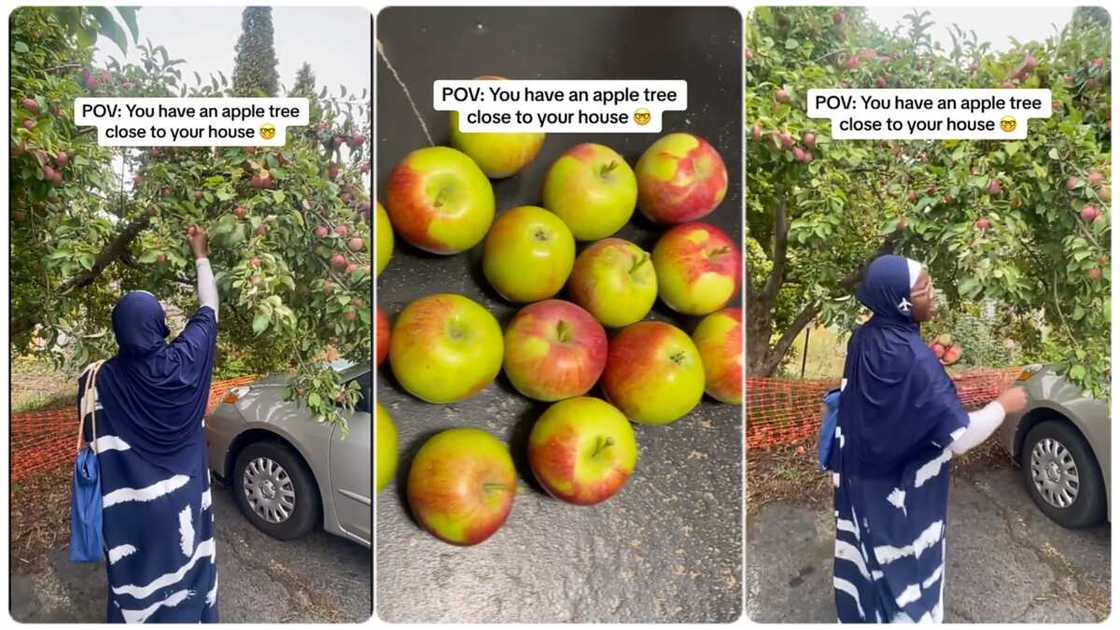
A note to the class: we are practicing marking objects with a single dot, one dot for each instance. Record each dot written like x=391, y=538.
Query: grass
x=38, y=385
x=825, y=358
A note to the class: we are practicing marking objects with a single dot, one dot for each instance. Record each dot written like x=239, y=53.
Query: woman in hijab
x=900, y=421
x=157, y=516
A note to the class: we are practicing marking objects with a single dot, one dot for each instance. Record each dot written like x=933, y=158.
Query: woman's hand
x=1013, y=399
x=197, y=237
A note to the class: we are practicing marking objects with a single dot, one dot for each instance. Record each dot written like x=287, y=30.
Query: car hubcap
x=269, y=490
x=1054, y=473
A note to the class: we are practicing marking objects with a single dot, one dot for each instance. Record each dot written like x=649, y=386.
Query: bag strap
x=88, y=404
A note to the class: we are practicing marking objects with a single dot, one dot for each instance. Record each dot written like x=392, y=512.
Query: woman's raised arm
x=207, y=289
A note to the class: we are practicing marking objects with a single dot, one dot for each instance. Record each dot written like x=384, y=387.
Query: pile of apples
x=445, y=348
x=945, y=350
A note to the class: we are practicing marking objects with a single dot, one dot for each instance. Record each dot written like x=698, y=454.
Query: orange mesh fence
x=788, y=411
x=43, y=441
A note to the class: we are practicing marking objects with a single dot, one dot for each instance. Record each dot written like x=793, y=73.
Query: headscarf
x=898, y=401
x=155, y=391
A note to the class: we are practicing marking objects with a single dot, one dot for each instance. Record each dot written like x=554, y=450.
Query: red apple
x=338, y=261
x=782, y=95
x=1029, y=63
x=1095, y=178
x=30, y=105
x=698, y=268
x=681, y=178
x=1105, y=193
x=952, y=354
x=61, y=159
x=322, y=231
x=255, y=262
x=809, y=139
x=351, y=268
x=554, y=350
x=756, y=132
x=357, y=140
x=994, y=188
x=342, y=230
x=356, y=244
x=1089, y=213
x=983, y=224
x=262, y=229
x=880, y=83
x=1072, y=182
x=582, y=450
x=382, y=335
x=938, y=350
x=240, y=212
x=654, y=373
x=1095, y=274
x=912, y=196
x=28, y=124
x=719, y=339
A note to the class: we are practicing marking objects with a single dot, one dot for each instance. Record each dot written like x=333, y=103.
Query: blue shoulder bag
x=86, y=539
x=828, y=427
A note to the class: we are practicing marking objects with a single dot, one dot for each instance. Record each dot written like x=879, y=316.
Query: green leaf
x=791, y=44
x=109, y=27
x=20, y=47
x=260, y=323
x=1077, y=372
x=128, y=16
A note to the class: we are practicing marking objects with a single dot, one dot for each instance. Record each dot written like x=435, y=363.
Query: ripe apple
x=445, y=348
x=938, y=350
x=461, y=485
x=952, y=354
x=1072, y=182
x=593, y=189
x=342, y=230
x=386, y=448
x=1089, y=213
x=240, y=212
x=680, y=178
x=756, y=132
x=654, y=373
x=1095, y=178
x=356, y=244
x=554, y=350
x=1105, y=193
x=582, y=450
x=698, y=268
x=983, y=224
x=1029, y=63
x=322, y=231
x=782, y=95
x=994, y=188
x=338, y=262
x=528, y=254
x=30, y=105
x=440, y=201
x=809, y=139
x=382, y=335
x=615, y=281
x=1095, y=274
x=719, y=339
x=499, y=155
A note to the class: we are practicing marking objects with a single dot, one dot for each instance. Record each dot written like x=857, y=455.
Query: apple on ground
x=654, y=373
x=445, y=348
x=439, y=200
x=528, y=254
x=386, y=448
x=698, y=268
x=615, y=281
x=383, y=335
x=554, y=350
x=461, y=486
x=384, y=231
x=582, y=450
x=719, y=339
x=499, y=155
x=681, y=178
x=593, y=189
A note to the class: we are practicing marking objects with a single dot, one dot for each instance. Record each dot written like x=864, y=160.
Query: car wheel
x=1062, y=475
x=276, y=491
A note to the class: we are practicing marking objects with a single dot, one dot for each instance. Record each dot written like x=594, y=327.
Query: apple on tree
x=461, y=486
x=582, y=450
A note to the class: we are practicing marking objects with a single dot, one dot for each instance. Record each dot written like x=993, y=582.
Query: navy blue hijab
x=155, y=391
x=898, y=399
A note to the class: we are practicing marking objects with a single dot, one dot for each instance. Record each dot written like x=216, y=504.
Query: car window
x=365, y=382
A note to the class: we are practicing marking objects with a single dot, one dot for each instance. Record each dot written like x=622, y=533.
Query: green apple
x=386, y=448
x=384, y=238
x=719, y=338
x=592, y=189
x=680, y=178
x=654, y=373
x=439, y=200
x=615, y=281
x=445, y=348
x=582, y=450
x=461, y=485
x=698, y=268
x=528, y=254
x=499, y=155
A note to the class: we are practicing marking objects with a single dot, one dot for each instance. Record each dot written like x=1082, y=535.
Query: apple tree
x=1022, y=226
x=290, y=233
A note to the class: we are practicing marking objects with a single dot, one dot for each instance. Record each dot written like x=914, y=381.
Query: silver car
x=1062, y=441
x=289, y=473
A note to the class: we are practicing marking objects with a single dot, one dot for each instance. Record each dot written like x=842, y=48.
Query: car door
x=351, y=468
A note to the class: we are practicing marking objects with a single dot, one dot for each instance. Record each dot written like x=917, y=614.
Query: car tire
x=279, y=496
x=1056, y=445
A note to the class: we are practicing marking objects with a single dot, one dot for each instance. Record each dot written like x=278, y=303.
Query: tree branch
x=115, y=250
x=781, y=244
x=803, y=319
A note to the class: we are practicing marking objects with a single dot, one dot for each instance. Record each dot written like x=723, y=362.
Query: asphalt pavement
x=1007, y=561
x=316, y=579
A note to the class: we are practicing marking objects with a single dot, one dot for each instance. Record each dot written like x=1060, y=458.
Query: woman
x=151, y=447
x=899, y=423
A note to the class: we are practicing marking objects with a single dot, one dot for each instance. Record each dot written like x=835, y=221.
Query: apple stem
x=602, y=444
x=563, y=331
x=439, y=199
x=607, y=168
x=639, y=262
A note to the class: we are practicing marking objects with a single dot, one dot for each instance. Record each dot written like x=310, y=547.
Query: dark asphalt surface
x=317, y=579
x=668, y=547
x=1007, y=561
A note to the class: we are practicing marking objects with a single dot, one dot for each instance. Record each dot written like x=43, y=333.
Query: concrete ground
x=1007, y=561
x=319, y=578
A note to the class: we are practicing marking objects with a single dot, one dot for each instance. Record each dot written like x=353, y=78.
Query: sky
x=334, y=40
x=992, y=24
